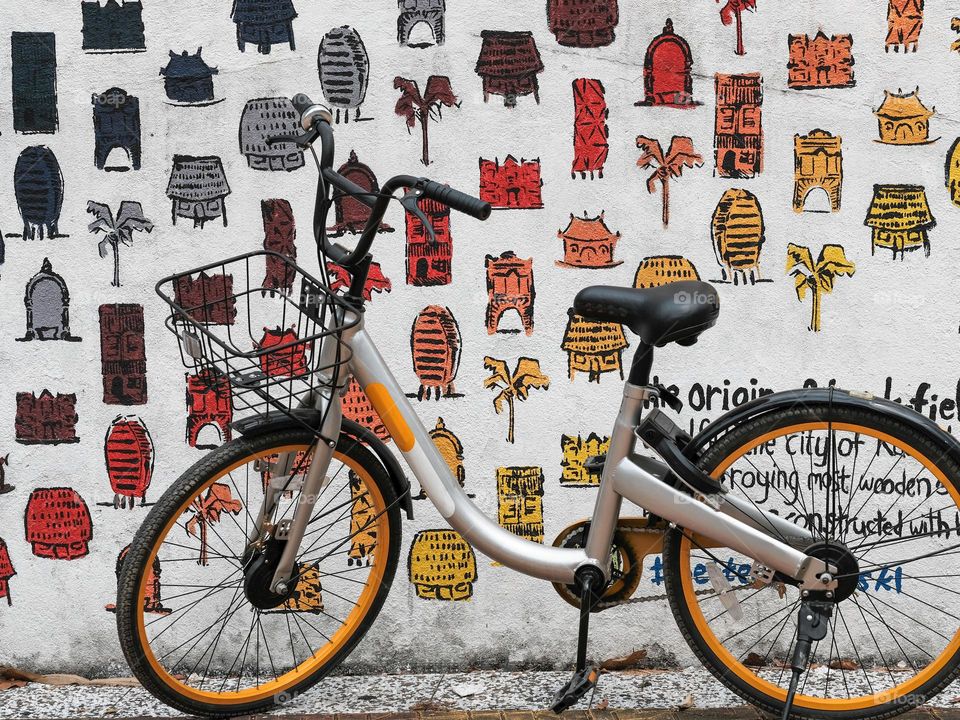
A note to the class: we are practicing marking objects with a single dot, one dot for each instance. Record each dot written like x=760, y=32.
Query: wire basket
x=257, y=334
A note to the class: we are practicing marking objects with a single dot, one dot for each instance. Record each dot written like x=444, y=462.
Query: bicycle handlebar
x=316, y=119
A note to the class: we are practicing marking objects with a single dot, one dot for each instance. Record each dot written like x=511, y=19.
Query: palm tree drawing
x=422, y=108
x=732, y=12
x=513, y=387
x=119, y=231
x=817, y=277
x=679, y=155
x=207, y=510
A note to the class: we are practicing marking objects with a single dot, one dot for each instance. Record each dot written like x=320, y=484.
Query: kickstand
x=812, y=626
x=584, y=678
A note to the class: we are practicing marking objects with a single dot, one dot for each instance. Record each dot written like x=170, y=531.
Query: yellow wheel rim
x=734, y=665
x=276, y=686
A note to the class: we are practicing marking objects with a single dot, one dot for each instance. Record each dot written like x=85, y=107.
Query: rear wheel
x=877, y=495
x=201, y=631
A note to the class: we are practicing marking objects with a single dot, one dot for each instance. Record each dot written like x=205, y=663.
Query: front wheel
x=200, y=629
x=881, y=500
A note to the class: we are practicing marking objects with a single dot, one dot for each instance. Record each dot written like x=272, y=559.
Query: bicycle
x=777, y=555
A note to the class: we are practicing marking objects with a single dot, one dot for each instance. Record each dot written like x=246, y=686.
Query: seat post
x=641, y=366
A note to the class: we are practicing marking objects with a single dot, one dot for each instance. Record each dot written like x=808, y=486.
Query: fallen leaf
x=753, y=660
x=9, y=684
x=602, y=705
x=843, y=664
x=624, y=663
x=14, y=675
x=687, y=702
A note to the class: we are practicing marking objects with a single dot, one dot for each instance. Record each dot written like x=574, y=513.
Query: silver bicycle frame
x=627, y=474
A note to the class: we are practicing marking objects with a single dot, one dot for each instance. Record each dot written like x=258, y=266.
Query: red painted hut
x=583, y=23
x=208, y=403
x=351, y=214
x=129, y=452
x=58, y=524
x=509, y=63
x=6, y=572
x=208, y=299
x=290, y=357
x=588, y=243
x=667, y=77
x=429, y=262
x=509, y=287
x=512, y=185
x=279, y=236
x=435, y=346
x=358, y=408
x=376, y=280
x=46, y=419
x=123, y=357
x=151, y=591
x=590, y=146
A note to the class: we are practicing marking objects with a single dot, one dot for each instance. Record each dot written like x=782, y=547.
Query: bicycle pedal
x=582, y=682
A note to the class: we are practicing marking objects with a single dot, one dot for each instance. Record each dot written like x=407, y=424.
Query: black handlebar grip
x=473, y=206
x=301, y=101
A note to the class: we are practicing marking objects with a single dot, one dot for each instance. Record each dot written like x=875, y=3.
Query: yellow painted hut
x=900, y=219
x=903, y=119
x=737, y=230
x=593, y=347
x=660, y=270
x=442, y=565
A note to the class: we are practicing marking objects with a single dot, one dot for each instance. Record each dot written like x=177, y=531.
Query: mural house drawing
x=208, y=299
x=188, y=79
x=667, y=77
x=820, y=62
x=509, y=63
x=660, y=270
x=46, y=419
x=899, y=219
x=416, y=108
x=576, y=451
x=290, y=357
x=738, y=126
x=363, y=529
x=5, y=486
x=435, y=343
x=152, y=601
x=34, y=81
x=117, y=230
x=429, y=260
x=902, y=119
x=817, y=165
x=264, y=23
x=592, y=347
x=817, y=277
x=358, y=408
x=738, y=235
x=376, y=281
x=113, y=26
x=731, y=13
x=514, y=386
x=6, y=572
x=123, y=357
x=451, y=450
x=38, y=188
x=441, y=565
x=583, y=23
x=417, y=14
x=520, y=501
x=208, y=510
x=116, y=126
x=904, y=22
x=955, y=26
x=512, y=185
x=590, y=133
x=57, y=524
x=509, y=287
x=588, y=243
x=129, y=452
x=351, y=214
x=344, y=71
x=198, y=189
x=307, y=594
x=951, y=172
x=279, y=236
x=47, y=303
x=208, y=405
x=266, y=118
x=679, y=155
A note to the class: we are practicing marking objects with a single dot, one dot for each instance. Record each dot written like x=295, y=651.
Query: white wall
x=895, y=320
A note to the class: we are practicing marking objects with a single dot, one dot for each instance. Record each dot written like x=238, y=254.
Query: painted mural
x=815, y=181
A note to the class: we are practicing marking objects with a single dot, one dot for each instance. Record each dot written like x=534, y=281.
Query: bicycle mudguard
x=260, y=425
x=822, y=396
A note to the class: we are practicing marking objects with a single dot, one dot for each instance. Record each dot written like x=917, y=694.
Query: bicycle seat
x=676, y=312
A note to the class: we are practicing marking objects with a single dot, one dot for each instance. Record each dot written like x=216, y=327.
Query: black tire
x=186, y=487
x=714, y=457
